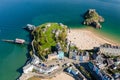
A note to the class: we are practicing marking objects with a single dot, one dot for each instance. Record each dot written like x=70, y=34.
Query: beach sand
x=85, y=39
x=61, y=76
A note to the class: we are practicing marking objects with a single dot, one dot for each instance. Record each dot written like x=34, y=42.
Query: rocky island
x=92, y=18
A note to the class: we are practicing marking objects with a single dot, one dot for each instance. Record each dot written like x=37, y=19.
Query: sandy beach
x=85, y=39
x=61, y=76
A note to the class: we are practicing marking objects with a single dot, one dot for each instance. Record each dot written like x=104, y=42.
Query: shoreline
x=87, y=39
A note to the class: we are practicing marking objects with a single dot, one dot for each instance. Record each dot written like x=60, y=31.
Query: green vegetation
x=86, y=73
x=73, y=48
x=113, y=71
x=116, y=71
x=34, y=70
x=46, y=36
x=92, y=16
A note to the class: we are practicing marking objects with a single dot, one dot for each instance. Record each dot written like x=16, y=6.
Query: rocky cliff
x=92, y=18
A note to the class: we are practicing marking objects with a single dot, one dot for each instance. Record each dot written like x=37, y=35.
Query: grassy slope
x=45, y=40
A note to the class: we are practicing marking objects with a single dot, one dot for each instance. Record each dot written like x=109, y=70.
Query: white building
x=35, y=65
x=51, y=69
x=110, y=50
x=35, y=59
x=31, y=27
x=28, y=68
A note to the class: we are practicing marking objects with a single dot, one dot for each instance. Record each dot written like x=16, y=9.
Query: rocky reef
x=92, y=18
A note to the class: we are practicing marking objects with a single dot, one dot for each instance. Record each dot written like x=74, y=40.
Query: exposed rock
x=92, y=18
x=30, y=27
x=48, y=25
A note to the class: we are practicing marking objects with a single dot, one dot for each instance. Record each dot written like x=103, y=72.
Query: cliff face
x=92, y=18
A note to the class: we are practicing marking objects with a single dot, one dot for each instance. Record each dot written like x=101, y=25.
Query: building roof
x=19, y=40
x=30, y=27
x=100, y=59
x=27, y=66
x=60, y=54
x=35, y=59
x=110, y=49
x=110, y=62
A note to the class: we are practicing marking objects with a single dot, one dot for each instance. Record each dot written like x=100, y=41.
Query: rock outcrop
x=92, y=18
x=30, y=27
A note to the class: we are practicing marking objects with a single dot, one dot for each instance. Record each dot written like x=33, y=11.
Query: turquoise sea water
x=14, y=14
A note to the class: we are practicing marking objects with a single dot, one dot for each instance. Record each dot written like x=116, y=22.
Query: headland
x=57, y=49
